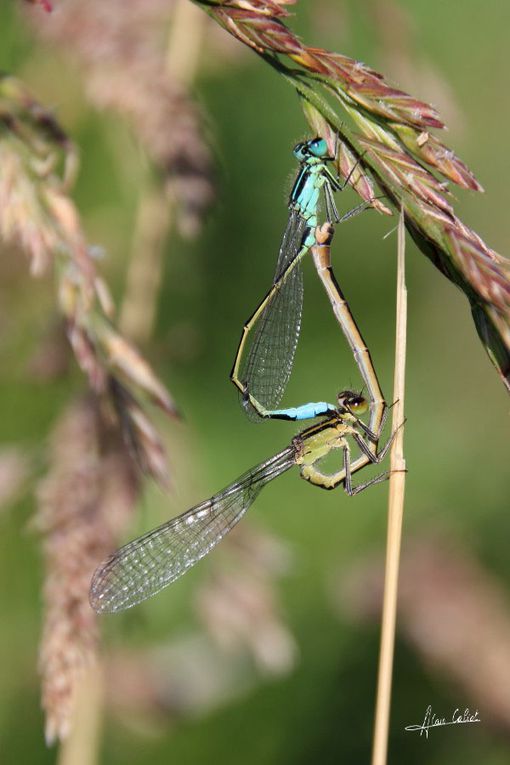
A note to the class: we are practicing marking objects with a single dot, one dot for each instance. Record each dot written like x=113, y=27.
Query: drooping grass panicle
x=388, y=134
x=38, y=217
x=84, y=504
x=92, y=485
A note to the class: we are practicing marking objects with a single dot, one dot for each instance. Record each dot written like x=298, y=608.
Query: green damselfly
x=143, y=567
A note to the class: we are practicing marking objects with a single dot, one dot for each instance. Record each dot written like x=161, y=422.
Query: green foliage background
x=457, y=431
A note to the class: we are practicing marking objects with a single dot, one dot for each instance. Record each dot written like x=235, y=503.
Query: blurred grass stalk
x=389, y=135
x=82, y=746
x=155, y=209
x=395, y=520
x=39, y=218
x=87, y=498
x=144, y=277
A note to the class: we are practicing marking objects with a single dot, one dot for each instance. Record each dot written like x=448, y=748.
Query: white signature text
x=431, y=720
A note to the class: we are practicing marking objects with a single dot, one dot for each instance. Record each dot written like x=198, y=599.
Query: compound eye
x=318, y=147
x=300, y=150
x=357, y=404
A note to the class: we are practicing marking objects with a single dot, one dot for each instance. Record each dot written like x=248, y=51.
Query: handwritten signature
x=431, y=720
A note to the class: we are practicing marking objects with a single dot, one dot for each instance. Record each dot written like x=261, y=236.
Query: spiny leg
x=348, y=487
x=331, y=209
x=335, y=181
x=332, y=184
x=355, y=211
x=312, y=473
x=337, y=184
x=379, y=455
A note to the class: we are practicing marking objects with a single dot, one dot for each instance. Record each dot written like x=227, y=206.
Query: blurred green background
x=457, y=430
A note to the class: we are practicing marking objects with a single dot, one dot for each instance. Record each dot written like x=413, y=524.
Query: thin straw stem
x=395, y=517
x=144, y=276
x=81, y=747
x=185, y=42
x=156, y=213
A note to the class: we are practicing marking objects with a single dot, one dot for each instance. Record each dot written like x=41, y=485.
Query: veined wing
x=143, y=567
x=270, y=356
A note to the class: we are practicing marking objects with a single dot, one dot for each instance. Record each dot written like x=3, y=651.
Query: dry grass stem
x=395, y=520
x=145, y=271
x=185, y=42
x=156, y=210
x=454, y=614
x=82, y=746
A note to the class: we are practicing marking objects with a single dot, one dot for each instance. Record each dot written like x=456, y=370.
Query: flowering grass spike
x=388, y=134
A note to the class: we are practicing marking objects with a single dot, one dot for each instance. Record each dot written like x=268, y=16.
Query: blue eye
x=318, y=147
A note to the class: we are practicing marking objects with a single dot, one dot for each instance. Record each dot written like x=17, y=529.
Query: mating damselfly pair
x=261, y=370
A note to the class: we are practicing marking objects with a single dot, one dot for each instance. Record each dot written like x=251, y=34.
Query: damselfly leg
x=144, y=566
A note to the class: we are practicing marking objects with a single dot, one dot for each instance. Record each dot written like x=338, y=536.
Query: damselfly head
x=349, y=401
x=317, y=147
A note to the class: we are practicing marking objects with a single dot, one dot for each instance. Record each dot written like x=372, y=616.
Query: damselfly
x=262, y=369
x=143, y=567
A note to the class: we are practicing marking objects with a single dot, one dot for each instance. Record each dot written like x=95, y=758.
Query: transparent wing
x=270, y=355
x=143, y=567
